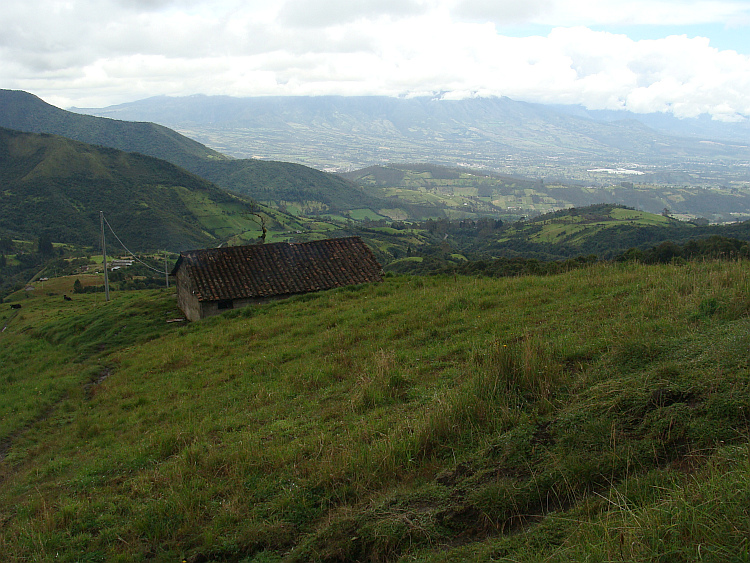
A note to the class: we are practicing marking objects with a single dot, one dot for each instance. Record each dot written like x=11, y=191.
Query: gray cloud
x=604, y=12
x=502, y=11
x=325, y=13
x=157, y=5
x=93, y=53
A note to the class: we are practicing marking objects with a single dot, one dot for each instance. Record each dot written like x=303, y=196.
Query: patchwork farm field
x=601, y=414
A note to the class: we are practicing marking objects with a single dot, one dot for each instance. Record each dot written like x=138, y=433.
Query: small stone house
x=214, y=280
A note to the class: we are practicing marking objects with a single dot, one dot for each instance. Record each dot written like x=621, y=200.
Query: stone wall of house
x=186, y=299
x=211, y=308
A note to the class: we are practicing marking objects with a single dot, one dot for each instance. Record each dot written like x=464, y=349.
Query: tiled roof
x=266, y=270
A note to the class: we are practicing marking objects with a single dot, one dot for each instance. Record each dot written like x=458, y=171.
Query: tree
x=260, y=219
x=45, y=244
x=77, y=286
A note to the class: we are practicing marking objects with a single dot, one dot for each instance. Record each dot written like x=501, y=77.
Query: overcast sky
x=685, y=56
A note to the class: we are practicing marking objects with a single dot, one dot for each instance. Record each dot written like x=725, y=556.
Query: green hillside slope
x=597, y=415
x=58, y=186
x=605, y=230
x=464, y=192
x=598, y=231
x=293, y=187
x=287, y=186
x=25, y=112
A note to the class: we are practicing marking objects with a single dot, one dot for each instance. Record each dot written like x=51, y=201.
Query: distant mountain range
x=347, y=133
x=701, y=127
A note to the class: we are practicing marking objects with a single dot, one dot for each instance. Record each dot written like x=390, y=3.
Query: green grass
x=362, y=214
x=597, y=415
x=596, y=227
x=52, y=347
x=638, y=217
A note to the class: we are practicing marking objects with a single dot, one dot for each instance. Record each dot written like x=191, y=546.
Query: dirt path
x=12, y=316
x=7, y=442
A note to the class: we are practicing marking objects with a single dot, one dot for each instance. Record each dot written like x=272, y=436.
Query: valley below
x=499, y=135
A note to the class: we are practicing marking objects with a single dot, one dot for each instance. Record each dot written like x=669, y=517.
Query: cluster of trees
x=713, y=247
x=496, y=268
x=479, y=227
x=18, y=262
x=126, y=285
x=78, y=287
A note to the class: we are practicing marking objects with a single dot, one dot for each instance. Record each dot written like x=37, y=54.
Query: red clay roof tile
x=268, y=270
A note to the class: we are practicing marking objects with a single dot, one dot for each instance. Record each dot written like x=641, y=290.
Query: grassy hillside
x=58, y=186
x=604, y=230
x=600, y=415
x=421, y=191
x=396, y=192
x=596, y=229
x=290, y=187
x=301, y=190
x=463, y=192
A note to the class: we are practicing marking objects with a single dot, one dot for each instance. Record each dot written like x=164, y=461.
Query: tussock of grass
x=422, y=419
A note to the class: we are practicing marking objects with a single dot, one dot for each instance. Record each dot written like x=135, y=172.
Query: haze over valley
x=496, y=134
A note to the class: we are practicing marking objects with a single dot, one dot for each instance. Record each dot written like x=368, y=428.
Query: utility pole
x=104, y=254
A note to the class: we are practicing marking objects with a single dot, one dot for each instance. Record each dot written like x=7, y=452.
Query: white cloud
x=325, y=13
x=603, y=12
x=502, y=11
x=94, y=53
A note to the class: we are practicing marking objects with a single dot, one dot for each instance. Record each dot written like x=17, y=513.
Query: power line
x=128, y=250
